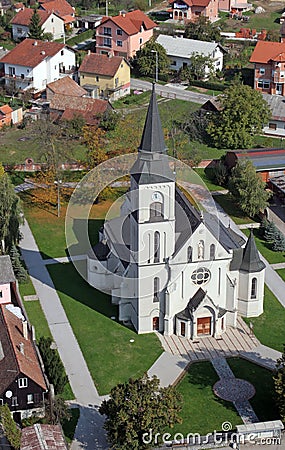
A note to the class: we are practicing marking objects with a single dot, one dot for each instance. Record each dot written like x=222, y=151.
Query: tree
x=202, y=30
x=56, y=410
x=11, y=431
x=279, y=385
x=279, y=242
x=35, y=28
x=242, y=116
x=269, y=231
x=146, y=60
x=137, y=406
x=19, y=271
x=10, y=214
x=199, y=67
x=94, y=140
x=53, y=365
x=248, y=189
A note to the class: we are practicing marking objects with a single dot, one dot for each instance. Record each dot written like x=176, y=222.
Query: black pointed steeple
x=152, y=137
x=251, y=261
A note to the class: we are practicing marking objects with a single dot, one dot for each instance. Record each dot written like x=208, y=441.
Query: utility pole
x=156, y=64
x=107, y=8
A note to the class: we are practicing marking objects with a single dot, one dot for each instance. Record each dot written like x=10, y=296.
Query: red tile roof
x=101, y=64
x=30, y=52
x=87, y=107
x=131, y=22
x=24, y=16
x=66, y=86
x=202, y=3
x=6, y=109
x=60, y=7
x=27, y=362
x=19, y=5
x=40, y=437
x=266, y=51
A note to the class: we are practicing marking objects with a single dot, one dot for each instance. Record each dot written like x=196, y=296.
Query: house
x=42, y=436
x=234, y=6
x=7, y=280
x=107, y=76
x=188, y=10
x=62, y=9
x=33, y=64
x=123, y=35
x=5, y=115
x=50, y=23
x=180, y=50
x=66, y=107
x=22, y=381
x=167, y=266
x=269, y=67
x=276, y=124
x=268, y=162
x=64, y=86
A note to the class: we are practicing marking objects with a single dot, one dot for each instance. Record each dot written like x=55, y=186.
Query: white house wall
x=55, y=26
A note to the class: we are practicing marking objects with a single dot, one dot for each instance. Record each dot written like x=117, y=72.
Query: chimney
x=25, y=329
x=110, y=54
x=22, y=348
x=43, y=52
x=35, y=43
x=89, y=52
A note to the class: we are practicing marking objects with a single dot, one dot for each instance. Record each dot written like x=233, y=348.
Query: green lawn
x=207, y=177
x=269, y=327
x=69, y=426
x=265, y=248
x=105, y=343
x=202, y=411
x=227, y=203
x=263, y=401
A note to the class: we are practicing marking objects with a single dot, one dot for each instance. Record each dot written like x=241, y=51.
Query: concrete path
x=262, y=355
x=171, y=91
x=278, y=266
x=70, y=353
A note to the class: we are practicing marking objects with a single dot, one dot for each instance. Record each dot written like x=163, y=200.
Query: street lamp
x=156, y=64
x=58, y=183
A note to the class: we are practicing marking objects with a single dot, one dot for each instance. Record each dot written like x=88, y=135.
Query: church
x=169, y=267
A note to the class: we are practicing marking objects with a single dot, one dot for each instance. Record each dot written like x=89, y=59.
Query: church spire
x=251, y=261
x=152, y=138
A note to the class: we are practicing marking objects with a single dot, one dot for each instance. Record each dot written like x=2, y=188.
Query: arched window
x=201, y=249
x=156, y=289
x=156, y=210
x=189, y=254
x=212, y=251
x=156, y=247
x=253, y=288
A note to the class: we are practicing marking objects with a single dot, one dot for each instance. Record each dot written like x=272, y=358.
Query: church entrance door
x=204, y=325
x=155, y=324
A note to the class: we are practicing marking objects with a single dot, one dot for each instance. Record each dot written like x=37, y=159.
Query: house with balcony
x=189, y=10
x=22, y=382
x=49, y=21
x=62, y=9
x=123, y=35
x=105, y=76
x=269, y=67
x=32, y=64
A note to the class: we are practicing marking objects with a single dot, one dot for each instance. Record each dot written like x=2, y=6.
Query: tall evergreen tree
x=19, y=271
x=247, y=188
x=270, y=231
x=279, y=242
x=10, y=214
x=279, y=385
x=53, y=364
x=11, y=431
x=35, y=28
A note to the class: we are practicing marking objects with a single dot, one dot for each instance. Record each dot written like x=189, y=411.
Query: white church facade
x=167, y=267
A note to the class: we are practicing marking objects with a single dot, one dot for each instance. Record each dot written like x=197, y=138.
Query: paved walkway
x=70, y=353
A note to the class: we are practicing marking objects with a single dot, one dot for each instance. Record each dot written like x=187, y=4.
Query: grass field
x=206, y=176
x=269, y=327
x=230, y=207
x=106, y=346
x=265, y=248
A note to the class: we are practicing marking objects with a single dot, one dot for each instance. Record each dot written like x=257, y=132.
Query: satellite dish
x=9, y=394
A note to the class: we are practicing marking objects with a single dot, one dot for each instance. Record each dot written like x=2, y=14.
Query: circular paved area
x=234, y=389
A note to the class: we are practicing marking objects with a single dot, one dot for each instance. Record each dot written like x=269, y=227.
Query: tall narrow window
x=156, y=289
x=219, y=281
x=253, y=288
x=201, y=249
x=182, y=329
x=156, y=210
x=156, y=247
x=189, y=254
x=212, y=251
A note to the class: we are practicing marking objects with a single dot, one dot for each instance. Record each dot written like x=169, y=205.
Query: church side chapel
x=168, y=267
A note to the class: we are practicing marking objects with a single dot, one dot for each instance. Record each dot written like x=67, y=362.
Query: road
x=171, y=91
